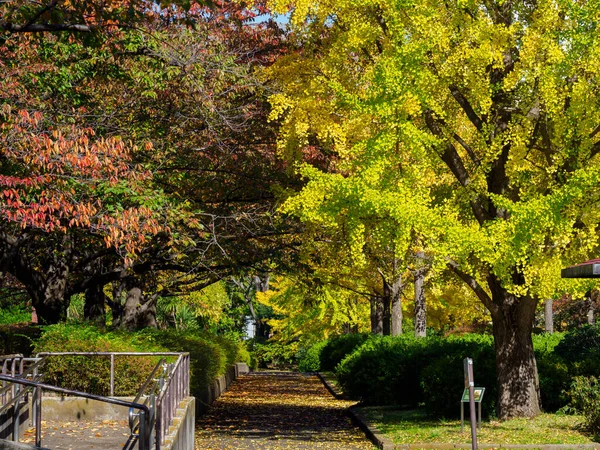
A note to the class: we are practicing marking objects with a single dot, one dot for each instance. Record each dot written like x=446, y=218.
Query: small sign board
x=477, y=395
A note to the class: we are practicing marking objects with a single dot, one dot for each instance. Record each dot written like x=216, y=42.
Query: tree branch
x=466, y=106
x=45, y=27
x=474, y=285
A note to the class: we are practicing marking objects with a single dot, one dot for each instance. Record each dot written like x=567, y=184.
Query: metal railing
x=144, y=411
x=156, y=401
x=175, y=389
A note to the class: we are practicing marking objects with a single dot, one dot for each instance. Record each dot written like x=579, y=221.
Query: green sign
x=477, y=394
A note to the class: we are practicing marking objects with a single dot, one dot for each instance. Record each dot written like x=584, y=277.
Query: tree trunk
x=516, y=369
x=137, y=313
x=589, y=307
x=386, y=312
x=48, y=293
x=396, y=297
x=376, y=315
x=93, y=309
x=548, y=316
x=420, y=307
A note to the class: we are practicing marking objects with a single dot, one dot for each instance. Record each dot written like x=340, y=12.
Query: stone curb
x=205, y=398
x=384, y=443
x=372, y=433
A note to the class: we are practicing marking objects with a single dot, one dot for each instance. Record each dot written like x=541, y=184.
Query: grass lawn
x=413, y=426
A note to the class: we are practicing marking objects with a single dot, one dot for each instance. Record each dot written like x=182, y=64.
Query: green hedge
x=209, y=357
x=310, y=360
x=429, y=372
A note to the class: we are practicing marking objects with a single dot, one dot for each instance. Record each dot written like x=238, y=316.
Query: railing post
x=142, y=438
x=112, y=375
x=16, y=413
x=38, y=416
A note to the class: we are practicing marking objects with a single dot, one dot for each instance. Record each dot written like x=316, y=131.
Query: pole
x=112, y=375
x=470, y=384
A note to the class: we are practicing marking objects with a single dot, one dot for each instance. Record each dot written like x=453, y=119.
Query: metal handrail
x=132, y=417
x=144, y=434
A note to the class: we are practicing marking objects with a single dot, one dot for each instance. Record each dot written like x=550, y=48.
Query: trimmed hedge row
x=209, y=357
x=428, y=372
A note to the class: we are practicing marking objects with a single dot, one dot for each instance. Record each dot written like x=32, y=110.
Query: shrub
x=442, y=379
x=384, y=370
x=275, y=355
x=92, y=374
x=580, y=343
x=553, y=371
x=338, y=347
x=209, y=358
x=585, y=398
x=310, y=361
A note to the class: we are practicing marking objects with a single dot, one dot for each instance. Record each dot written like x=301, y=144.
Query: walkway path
x=278, y=411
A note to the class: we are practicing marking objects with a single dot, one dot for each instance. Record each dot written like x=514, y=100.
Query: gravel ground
x=278, y=411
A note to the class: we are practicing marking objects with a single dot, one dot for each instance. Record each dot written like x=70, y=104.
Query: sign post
x=470, y=385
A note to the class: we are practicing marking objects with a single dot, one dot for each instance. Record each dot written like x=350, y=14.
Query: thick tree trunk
x=48, y=293
x=518, y=386
x=137, y=312
x=93, y=308
x=393, y=291
x=376, y=315
x=386, y=304
x=548, y=316
x=589, y=308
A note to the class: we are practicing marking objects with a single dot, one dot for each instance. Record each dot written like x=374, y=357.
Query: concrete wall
x=181, y=433
x=71, y=409
x=205, y=399
x=9, y=445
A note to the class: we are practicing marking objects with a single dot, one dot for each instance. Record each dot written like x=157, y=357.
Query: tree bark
x=386, y=303
x=138, y=312
x=376, y=315
x=396, y=295
x=516, y=368
x=48, y=293
x=420, y=306
x=548, y=316
x=93, y=308
x=589, y=307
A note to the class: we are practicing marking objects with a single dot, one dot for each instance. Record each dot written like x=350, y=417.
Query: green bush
x=14, y=314
x=585, y=399
x=92, y=374
x=553, y=371
x=310, y=361
x=442, y=379
x=338, y=347
x=275, y=355
x=384, y=370
x=209, y=357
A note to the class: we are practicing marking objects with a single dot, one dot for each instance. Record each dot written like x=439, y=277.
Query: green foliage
x=209, y=357
x=338, y=347
x=409, y=372
x=580, y=344
x=384, y=370
x=14, y=314
x=274, y=355
x=585, y=398
x=92, y=374
x=310, y=360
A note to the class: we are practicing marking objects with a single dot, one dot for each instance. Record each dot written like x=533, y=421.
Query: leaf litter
x=278, y=411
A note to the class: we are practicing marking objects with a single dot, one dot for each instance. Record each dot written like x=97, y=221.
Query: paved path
x=80, y=435
x=278, y=411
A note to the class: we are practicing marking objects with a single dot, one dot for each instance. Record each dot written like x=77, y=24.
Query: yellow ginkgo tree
x=474, y=125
